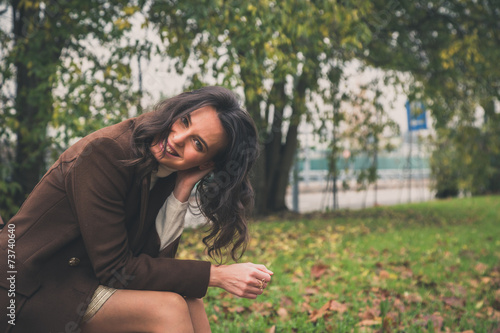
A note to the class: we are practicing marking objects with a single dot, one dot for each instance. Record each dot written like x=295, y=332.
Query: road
x=313, y=197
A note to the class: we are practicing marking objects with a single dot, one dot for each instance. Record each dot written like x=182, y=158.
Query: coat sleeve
x=97, y=186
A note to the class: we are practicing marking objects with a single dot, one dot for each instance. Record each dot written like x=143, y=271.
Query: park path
x=314, y=197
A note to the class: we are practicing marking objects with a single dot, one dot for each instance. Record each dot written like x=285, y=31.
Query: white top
x=170, y=219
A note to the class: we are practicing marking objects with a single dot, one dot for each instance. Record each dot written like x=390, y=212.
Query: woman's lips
x=169, y=149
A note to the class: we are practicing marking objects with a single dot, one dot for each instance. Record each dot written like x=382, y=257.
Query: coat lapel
x=151, y=202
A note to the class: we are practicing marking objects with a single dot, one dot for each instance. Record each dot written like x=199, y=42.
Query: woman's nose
x=179, y=137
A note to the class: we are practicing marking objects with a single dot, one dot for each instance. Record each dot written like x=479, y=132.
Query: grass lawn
x=427, y=267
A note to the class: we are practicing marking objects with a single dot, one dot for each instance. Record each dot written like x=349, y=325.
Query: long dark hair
x=224, y=196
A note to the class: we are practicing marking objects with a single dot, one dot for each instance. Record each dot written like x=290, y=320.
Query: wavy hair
x=225, y=195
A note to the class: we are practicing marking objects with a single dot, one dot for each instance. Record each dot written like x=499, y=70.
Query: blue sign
x=416, y=116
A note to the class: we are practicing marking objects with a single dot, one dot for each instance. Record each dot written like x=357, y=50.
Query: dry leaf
x=286, y=301
x=311, y=291
x=368, y=314
x=236, y=309
x=485, y=280
x=264, y=309
x=370, y=322
x=306, y=307
x=458, y=290
x=398, y=305
x=272, y=329
x=474, y=283
x=436, y=319
x=283, y=313
x=383, y=274
x=337, y=307
x=454, y=302
x=318, y=270
x=316, y=314
x=413, y=298
x=481, y=268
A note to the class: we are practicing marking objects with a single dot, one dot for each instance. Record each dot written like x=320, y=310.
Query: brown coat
x=89, y=221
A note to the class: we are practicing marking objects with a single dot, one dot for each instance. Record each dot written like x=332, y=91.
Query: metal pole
x=295, y=188
x=334, y=168
x=409, y=164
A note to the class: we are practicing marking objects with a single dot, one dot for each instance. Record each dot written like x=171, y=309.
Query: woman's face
x=194, y=141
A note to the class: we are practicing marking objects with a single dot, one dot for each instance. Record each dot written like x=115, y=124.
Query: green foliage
x=425, y=267
x=466, y=159
x=451, y=50
x=278, y=61
x=367, y=129
x=55, y=86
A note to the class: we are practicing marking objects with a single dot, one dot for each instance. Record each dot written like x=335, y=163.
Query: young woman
x=95, y=241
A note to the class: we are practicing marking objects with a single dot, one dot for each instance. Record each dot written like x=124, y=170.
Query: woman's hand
x=187, y=179
x=244, y=280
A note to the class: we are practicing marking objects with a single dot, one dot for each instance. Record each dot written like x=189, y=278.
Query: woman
x=95, y=240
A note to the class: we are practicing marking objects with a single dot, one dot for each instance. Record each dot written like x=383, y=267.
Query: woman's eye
x=184, y=121
x=198, y=145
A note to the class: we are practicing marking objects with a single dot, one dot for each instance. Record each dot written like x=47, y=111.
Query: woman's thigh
x=141, y=311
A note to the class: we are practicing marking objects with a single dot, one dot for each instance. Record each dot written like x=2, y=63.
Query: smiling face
x=194, y=140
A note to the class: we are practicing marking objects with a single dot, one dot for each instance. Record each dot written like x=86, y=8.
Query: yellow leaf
x=130, y=10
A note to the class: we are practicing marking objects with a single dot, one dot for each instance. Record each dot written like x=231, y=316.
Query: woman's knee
x=142, y=311
x=170, y=309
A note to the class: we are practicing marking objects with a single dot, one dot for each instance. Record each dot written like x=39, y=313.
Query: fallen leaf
x=436, y=319
x=456, y=289
x=383, y=274
x=390, y=320
x=368, y=314
x=311, y=290
x=474, y=283
x=306, y=307
x=370, y=322
x=496, y=315
x=485, y=280
x=264, y=309
x=286, y=301
x=413, y=298
x=337, y=307
x=481, y=268
x=317, y=314
x=318, y=270
x=454, y=302
x=272, y=329
x=236, y=309
x=398, y=305
x=283, y=313
x=407, y=274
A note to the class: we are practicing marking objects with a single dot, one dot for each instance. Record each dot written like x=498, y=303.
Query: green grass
x=426, y=267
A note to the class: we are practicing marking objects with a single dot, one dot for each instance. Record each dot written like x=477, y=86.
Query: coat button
x=74, y=261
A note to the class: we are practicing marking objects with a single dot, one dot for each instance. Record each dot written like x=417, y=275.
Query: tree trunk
x=276, y=159
x=33, y=103
x=288, y=149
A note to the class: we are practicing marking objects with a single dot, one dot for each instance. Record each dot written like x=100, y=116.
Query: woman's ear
x=207, y=165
